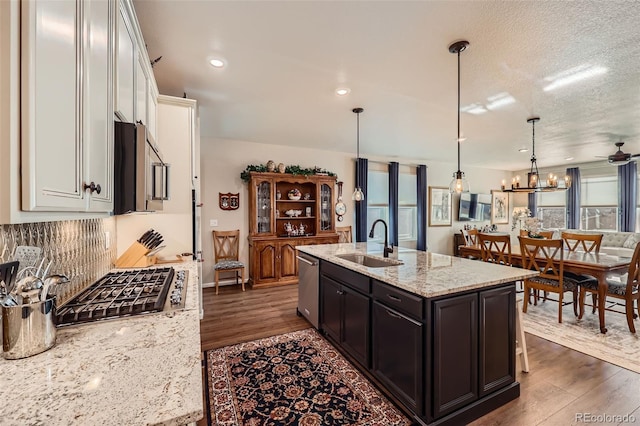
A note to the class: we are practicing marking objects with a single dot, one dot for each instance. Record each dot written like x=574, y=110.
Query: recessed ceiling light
x=523, y=150
x=343, y=91
x=568, y=158
x=216, y=63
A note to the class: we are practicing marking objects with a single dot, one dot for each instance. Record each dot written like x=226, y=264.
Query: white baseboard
x=229, y=281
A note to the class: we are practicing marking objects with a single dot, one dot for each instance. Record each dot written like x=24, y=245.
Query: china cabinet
x=286, y=211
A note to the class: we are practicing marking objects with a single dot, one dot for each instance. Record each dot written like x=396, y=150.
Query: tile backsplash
x=76, y=248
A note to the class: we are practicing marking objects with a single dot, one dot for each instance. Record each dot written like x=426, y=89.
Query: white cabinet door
x=51, y=98
x=98, y=103
x=152, y=112
x=141, y=92
x=125, y=67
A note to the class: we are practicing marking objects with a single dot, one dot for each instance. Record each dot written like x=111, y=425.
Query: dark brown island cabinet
x=445, y=360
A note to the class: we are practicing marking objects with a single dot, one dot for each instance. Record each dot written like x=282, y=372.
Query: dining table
x=598, y=265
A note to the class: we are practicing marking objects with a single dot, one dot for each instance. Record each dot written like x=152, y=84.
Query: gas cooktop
x=124, y=293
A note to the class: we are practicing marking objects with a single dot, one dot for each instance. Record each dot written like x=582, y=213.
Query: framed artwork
x=439, y=206
x=229, y=201
x=499, y=207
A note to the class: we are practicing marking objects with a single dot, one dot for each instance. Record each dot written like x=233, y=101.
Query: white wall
x=222, y=161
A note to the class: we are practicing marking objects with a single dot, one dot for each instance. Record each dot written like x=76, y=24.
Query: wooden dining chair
x=470, y=236
x=344, y=234
x=547, y=257
x=620, y=288
x=226, y=246
x=495, y=248
x=588, y=243
x=470, y=239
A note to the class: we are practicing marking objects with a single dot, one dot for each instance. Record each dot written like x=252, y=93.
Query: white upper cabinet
x=125, y=95
x=51, y=100
x=66, y=105
x=178, y=139
x=141, y=92
x=98, y=101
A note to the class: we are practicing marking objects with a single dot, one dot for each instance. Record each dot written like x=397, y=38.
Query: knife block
x=134, y=257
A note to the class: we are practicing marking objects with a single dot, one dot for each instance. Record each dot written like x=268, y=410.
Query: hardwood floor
x=561, y=384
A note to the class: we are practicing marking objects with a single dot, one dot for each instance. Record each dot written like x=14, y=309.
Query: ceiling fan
x=620, y=158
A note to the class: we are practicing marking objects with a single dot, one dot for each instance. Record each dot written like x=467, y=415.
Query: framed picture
x=499, y=207
x=439, y=206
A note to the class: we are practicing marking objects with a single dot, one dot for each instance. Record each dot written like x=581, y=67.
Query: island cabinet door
x=397, y=352
x=331, y=307
x=455, y=353
x=497, y=334
x=355, y=326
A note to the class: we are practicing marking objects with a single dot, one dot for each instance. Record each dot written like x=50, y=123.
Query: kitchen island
x=435, y=332
x=140, y=370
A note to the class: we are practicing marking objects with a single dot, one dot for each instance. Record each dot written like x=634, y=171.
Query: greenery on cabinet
x=293, y=169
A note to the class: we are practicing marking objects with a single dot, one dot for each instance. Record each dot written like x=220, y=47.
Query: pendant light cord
x=458, y=111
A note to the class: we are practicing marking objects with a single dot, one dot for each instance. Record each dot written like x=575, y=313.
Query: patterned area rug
x=292, y=379
x=618, y=346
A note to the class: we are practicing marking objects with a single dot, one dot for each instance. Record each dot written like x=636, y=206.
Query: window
x=551, y=211
x=599, y=203
x=378, y=201
x=407, y=207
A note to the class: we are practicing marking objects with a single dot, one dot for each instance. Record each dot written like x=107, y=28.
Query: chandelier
x=534, y=183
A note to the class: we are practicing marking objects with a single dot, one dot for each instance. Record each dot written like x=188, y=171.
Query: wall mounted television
x=474, y=207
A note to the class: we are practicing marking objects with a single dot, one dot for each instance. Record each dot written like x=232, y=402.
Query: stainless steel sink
x=369, y=261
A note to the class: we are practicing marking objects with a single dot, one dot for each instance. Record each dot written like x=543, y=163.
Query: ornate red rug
x=296, y=378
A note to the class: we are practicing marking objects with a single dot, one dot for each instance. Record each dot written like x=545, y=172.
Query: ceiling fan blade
x=635, y=155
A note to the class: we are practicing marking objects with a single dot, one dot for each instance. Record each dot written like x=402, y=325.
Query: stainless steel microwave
x=141, y=177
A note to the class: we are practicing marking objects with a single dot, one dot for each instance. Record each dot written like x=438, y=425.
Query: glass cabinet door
x=263, y=207
x=326, y=215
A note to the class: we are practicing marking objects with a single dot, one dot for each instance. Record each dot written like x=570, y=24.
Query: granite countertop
x=141, y=370
x=423, y=273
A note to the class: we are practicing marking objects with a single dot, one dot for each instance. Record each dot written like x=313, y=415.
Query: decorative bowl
x=294, y=194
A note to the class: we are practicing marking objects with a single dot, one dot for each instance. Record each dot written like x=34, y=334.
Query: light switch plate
x=213, y=222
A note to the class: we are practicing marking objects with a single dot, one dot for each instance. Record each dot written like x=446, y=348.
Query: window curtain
x=394, y=178
x=362, y=166
x=627, y=196
x=421, y=176
x=532, y=203
x=573, y=199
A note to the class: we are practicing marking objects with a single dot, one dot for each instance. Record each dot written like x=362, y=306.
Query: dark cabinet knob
x=92, y=187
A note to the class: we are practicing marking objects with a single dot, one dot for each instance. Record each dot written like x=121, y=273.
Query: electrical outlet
x=213, y=222
x=107, y=240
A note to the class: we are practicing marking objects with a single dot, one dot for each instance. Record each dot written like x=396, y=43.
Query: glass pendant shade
x=459, y=183
x=358, y=195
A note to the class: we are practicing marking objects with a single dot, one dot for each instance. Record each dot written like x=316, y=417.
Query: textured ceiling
x=285, y=60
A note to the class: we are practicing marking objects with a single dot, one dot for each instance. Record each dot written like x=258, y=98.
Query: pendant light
x=459, y=183
x=534, y=183
x=358, y=195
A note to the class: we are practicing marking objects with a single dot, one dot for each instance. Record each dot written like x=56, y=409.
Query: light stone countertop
x=423, y=273
x=141, y=370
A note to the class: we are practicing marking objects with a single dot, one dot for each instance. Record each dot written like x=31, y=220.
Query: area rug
x=618, y=346
x=296, y=378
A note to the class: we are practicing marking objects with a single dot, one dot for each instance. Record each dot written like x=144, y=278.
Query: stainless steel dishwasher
x=308, y=287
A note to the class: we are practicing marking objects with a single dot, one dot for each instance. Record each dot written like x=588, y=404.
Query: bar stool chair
x=226, y=246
